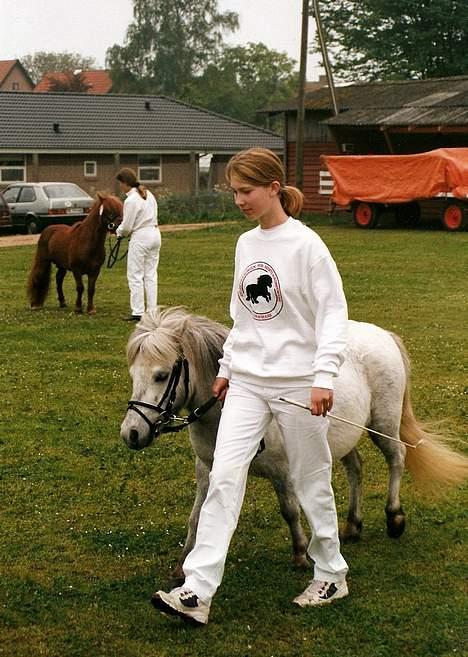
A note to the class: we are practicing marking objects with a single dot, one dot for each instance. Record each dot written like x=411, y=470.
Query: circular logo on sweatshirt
x=260, y=292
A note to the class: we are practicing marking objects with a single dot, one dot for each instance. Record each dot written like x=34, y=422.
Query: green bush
x=207, y=206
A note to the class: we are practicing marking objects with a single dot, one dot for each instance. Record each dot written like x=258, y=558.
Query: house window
x=90, y=169
x=12, y=168
x=15, y=86
x=149, y=168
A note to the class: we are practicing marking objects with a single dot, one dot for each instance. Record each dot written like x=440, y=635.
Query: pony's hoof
x=301, y=562
x=63, y=305
x=396, y=524
x=351, y=532
x=78, y=311
x=92, y=311
x=36, y=307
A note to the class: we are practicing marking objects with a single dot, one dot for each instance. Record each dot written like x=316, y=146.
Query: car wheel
x=32, y=226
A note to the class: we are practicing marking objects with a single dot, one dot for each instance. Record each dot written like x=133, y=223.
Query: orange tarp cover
x=398, y=178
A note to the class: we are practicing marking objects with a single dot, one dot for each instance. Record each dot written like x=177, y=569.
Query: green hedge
x=207, y=206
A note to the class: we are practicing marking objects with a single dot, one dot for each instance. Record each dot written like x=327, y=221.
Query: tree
x=244, y=79
x=397, y=39
x=167, y=44
x=41, y=62
x=68, y=81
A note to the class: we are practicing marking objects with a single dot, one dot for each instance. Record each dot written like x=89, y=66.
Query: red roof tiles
x=99, y=81
x=5, y=68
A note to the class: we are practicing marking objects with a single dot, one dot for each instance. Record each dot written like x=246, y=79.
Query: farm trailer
x=370, y=184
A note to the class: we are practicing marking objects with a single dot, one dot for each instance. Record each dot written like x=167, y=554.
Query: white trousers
x=246, y=414
x=142, y=269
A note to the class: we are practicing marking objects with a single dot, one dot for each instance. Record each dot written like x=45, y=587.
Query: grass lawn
x=89, y=529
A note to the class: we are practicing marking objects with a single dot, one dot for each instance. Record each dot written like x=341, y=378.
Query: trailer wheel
x=453, y=216
x=365, y=215
x=408, y=214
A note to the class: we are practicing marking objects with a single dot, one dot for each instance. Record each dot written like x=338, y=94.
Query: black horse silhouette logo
x=259, y=289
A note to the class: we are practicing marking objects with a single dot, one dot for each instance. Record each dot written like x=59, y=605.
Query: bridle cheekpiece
x=167, y=421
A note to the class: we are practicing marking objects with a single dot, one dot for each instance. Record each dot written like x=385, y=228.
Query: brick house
x=409, y=116
x=14, y=77
x=86, y=139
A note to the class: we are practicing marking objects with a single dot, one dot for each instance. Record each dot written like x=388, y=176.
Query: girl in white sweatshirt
x=288, y=336
x=140, y=224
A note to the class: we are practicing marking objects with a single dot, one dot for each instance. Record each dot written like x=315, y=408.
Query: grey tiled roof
x=121, y=123
x=415, y=116
x=436, y=101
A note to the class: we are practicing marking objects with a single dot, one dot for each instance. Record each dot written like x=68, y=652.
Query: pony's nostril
x=133, y=437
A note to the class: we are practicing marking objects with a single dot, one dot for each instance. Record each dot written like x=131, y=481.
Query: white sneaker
x=184, y=603
x=321, y=593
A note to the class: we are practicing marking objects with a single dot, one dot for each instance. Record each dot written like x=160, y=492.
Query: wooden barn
x=409, y=116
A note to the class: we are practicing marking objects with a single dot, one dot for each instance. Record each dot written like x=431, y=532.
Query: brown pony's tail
x=39, y=279
x=433, y=464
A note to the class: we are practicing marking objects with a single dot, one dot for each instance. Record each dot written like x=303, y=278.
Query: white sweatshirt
x=138, y=213
x=288, y=308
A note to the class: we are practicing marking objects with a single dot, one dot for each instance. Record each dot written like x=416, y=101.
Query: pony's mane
x=167, y=334
x=111, y=202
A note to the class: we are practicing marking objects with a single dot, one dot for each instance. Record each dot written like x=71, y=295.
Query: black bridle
x=166, y=420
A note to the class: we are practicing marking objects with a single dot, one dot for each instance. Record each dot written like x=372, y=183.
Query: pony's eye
x=160, y=376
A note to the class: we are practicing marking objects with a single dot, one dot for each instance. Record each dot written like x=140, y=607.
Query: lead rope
x=114, y=253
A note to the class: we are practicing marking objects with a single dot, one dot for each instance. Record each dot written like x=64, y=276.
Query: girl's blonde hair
x=261, y=167
x=128, y=176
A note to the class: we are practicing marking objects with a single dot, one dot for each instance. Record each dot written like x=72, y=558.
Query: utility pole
x=301, y=95
x=326, y=61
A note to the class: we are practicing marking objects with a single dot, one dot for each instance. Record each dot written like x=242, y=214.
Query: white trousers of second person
x=142, y=269
x=247, y=412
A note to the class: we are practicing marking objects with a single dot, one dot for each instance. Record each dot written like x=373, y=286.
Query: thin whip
x=354, y=424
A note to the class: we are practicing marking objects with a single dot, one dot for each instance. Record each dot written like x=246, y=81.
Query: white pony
x=173, y=360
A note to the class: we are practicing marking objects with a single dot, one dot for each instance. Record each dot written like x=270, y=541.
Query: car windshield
x=65, y=190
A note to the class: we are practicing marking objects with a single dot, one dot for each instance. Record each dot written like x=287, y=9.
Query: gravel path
x=24, y=240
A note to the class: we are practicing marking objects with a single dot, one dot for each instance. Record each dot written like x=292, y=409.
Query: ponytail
x=292, y=200
x=128, y=176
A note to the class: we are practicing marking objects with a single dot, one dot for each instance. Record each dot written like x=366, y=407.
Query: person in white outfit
x=287, y=340
x=140, y=224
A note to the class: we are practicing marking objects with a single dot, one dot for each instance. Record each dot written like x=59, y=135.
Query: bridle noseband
x=166, y=419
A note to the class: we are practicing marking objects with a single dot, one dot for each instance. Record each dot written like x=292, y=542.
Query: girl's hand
x=321, y=401
x=220, y=388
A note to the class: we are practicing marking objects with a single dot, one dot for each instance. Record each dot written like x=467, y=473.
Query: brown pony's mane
x=111, y=203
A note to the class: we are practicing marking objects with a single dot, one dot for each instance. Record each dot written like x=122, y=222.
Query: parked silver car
x=5, y=214
x=36, y=205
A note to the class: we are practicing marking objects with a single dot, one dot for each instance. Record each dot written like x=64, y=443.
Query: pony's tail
x=433, y=465
x=39, y=280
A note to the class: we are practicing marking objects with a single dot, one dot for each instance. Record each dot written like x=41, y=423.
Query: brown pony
x=79, y=249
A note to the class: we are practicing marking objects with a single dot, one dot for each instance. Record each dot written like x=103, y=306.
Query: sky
x=89, y=27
